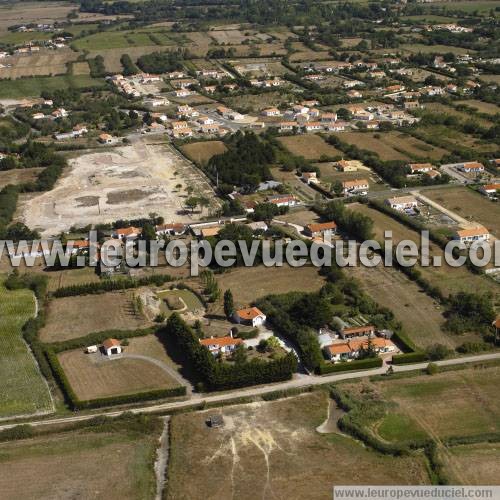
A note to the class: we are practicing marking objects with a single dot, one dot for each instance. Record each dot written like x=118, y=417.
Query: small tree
x=228, y=304
x=432, y=369
x=192, y=203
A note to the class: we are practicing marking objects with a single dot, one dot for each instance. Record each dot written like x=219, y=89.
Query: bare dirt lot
x=94, y=376
x=483, y=459
x=201, y=152
x=251, y=283
x=391, y=146
x=73, y=317
x=19, y=175
x=272, y=450
x=94, y=189
x=310, y=146
x=78, y=465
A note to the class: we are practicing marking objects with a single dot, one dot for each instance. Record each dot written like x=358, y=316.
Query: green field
x=22, y=388
x=33, y=87
x=469, y=7
x=428, y=49
x=108, y=461
x=16, y=38
x=123, y=39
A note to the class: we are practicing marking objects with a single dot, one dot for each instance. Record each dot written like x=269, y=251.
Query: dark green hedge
x=362, y=364
x=77, y=404
x=410, y=357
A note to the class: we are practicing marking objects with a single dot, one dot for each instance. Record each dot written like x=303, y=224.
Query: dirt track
x=125, y=183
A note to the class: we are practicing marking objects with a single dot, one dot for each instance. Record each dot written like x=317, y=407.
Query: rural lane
x=301, y=381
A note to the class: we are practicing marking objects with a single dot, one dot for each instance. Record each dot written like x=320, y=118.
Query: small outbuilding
x=215, y=421
x=112, y=347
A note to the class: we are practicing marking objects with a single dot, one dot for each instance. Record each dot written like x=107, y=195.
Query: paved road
x=301, y=381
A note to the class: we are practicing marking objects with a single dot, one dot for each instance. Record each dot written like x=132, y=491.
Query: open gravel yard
x=126, y=182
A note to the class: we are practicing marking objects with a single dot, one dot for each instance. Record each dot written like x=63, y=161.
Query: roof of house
x=109, y=343
x=249, y=313
x=281, y=198
x=355, y=183
x=491, y=187
x=220, y=341
x=210, y=231
x=402, y=200
x=321, y=226
x=475, y=231
x=79, y=243
x=357, y=329
x=474, y=165
x=339, y=348
x=127, y=231
x=177, y=226
x=420, y=166
x=377, y=342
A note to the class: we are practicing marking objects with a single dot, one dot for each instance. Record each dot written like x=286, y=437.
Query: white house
x=250, y=316
x=490, y=189
x=283, y=200
x=127, y=233
x=112, y=347
x=221, y=345
x=402, y=202
x=471, y=235
x=473, y=167
x=310, y=178
x=420, y=168
x=355, y=186
x=271, y=112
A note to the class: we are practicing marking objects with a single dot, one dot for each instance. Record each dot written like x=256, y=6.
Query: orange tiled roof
x=249, y=313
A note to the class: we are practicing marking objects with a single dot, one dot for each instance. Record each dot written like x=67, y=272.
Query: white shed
x=112, y=346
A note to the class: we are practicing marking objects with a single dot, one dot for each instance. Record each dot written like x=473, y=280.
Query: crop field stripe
x=23, y=389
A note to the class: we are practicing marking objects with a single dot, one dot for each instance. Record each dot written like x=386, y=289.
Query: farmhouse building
x=357, y=331
x=356, y=186
x=319, y=229
x=490, y=189
x=478, y=233
x=283, y=200
x=105, y=139
x=127, y=233
x=112, y=347
x=471, y=167
x=420, y=168
x=402, y=202
x=250, y=316
x=221, y=345
x=347, y=351
x=348, y=165
x=173, y=229
x=310, y=177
